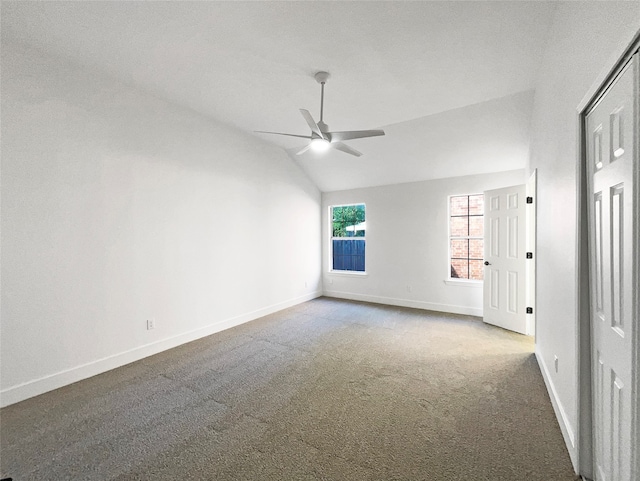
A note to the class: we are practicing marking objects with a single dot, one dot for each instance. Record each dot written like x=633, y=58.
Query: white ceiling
x=450, y=82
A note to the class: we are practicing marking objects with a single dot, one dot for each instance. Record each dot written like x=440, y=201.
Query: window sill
x=463, y=283
x=348, y=273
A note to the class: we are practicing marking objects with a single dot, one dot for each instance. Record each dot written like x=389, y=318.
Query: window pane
x=459, y=269
x=466, y=244
x=460, y=205
x=348, y=255
x=348, y=221
x=459, y=226
x=476, y=270
x=476, y=204
x=476, y=226
x=476, y=249
x=459, y=248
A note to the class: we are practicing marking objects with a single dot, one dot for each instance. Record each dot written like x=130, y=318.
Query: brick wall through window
x=466, y=231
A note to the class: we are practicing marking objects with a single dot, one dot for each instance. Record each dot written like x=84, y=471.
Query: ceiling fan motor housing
x=323, y=127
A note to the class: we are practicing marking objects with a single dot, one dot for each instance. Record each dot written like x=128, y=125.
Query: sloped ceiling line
x=251, y=65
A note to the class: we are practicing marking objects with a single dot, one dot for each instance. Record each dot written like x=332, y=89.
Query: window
x=348, y=224
x=466, y=231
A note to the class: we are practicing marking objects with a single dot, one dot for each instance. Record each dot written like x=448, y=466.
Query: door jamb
x=583, y=300
x=530, y=246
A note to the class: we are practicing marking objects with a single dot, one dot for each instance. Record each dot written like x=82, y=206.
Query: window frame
x=458, y=280
x=342, y=272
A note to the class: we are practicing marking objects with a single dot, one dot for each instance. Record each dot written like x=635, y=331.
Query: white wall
x=583, y=40
x=118, y=207
x=407, y=232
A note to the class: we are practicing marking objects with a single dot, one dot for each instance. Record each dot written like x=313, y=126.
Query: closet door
x=612, y=156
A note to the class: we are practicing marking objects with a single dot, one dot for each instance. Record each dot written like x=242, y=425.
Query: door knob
x=486, y=263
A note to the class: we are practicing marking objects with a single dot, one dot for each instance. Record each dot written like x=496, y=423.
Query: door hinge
x=529, y=200
x=529, y=255
x=529, y=310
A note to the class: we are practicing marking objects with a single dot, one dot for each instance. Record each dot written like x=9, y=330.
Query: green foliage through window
x=348, y=220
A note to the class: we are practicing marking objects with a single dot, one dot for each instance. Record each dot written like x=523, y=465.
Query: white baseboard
x=50, y=382
x=561, y=415
x=430, y=306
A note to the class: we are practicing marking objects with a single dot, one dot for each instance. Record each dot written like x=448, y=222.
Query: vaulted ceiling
x=450, y=82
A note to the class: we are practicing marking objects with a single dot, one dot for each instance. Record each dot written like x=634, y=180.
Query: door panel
x=504, y=275
x=611, y=153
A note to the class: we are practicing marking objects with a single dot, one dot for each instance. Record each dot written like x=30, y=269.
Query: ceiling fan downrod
x=321, y=78
x=321, y=100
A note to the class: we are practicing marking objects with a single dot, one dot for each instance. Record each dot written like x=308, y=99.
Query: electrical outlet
x=555, y=362
x=409, y=288
x=306, y=284
x=151, y=324
x=330, y=281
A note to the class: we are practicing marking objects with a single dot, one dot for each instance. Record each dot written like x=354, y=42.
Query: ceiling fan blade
x=312, y=123
x=307, y=147
x=345, y=148
x=280, y=133
x=354, y=134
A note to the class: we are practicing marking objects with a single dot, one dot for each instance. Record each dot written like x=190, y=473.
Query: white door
x=504, y=258
x=612, y=149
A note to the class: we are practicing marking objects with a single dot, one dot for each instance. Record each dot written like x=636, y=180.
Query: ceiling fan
x=321, y=138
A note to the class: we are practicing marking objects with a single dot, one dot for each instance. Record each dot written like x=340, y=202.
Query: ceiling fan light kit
x=320, y=145
x=321, y=138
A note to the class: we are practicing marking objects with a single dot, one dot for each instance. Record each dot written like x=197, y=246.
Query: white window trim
x=456, y=281
x=464, y=282
x=339, y=272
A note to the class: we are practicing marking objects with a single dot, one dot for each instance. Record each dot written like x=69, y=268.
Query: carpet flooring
x=326, y=390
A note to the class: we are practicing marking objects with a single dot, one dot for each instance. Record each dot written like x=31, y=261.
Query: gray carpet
x=329, y=389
